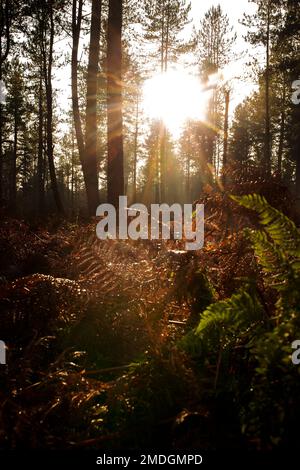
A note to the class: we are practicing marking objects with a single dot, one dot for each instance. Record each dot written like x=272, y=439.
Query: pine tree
x=8, y=16
x=16, y=107
x=262, y=31
x=115, y=164
x=87, y=143
x=164, y=21
x=214, y=42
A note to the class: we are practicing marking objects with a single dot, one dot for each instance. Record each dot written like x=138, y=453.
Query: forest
x=129, y=340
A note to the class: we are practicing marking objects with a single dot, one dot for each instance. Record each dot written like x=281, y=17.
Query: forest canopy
x=111, y=98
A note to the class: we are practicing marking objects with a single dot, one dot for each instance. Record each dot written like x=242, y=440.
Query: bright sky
x=233, y=8
x=241, y=86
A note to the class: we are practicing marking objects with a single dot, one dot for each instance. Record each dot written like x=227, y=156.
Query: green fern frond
x=231, y=315
x=270, y=256
x=280, y=228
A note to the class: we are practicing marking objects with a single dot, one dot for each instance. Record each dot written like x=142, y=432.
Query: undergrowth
x=131, y=344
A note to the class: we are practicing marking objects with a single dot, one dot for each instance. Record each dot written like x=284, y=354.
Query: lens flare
x=175, y=97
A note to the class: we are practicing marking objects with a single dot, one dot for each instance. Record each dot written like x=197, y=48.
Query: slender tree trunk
x=267, y=149
x=188, y=179
x=72, y=171
x=41, y=164
x=48, y=62
x=91, y=153
x=159, y=188
x=282, y=132
x=76, y=27
x=164, y=68
x=281, y=142
x=157, y=175
x=296, y=148
x=167, y=39
x=163, y=139
x=115, y=167
x=87, y=144
x=5, y=24
x=1, y=120
x=13, y=175
x=1, y=146
x=298, y=172
x=162, y=47
x=225, y=147
x=136, y=135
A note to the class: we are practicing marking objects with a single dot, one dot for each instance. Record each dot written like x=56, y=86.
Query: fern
x=230, y=316
x=249, y=352
x=270, y=257
x=282, y=231
x=277, y=247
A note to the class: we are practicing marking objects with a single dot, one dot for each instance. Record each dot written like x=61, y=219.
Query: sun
x=175, y=97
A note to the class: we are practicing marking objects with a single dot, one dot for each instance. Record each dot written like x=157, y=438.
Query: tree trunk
x=188, y=179
x=225, y=148
x=48, y=61
x=163, y=142
x=87, y=145
x=115, y=167
x=162, y=47
x=13, y=170
x=1, y=146
x=166, y=46
x=136, y=135
x=156, y=178
x=72, y=171
x=163, y=130
x=5, y=24
x=267, y=149
x=91, y=154
x=297, y=148
x=76, y=26
x=40, y=164
x=282, y=132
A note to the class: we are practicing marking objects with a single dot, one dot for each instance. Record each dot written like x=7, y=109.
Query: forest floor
x=81, y=317
x=93, y=330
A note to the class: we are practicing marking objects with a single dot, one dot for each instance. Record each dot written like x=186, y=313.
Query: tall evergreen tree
x=87, y=143
x=214, y=42
x=115, y=164
x=164, y=21
x=262, y=31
